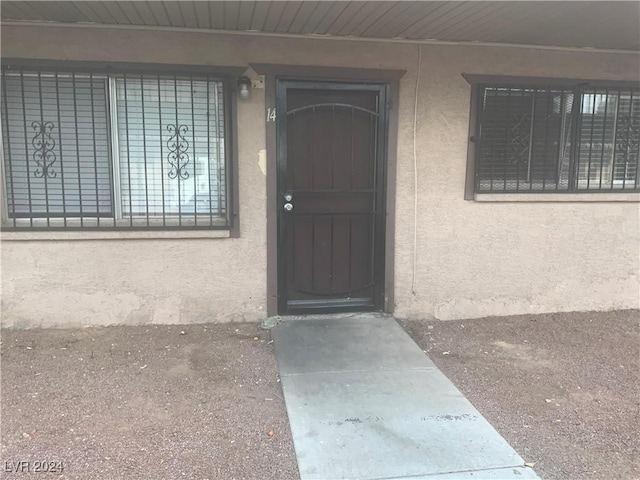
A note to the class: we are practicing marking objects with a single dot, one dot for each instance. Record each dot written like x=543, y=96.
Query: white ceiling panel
x=605, y=24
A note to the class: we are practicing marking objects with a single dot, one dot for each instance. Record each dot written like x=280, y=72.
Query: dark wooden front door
x=331, y=182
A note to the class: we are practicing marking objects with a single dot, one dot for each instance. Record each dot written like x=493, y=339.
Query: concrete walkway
x=364, y=402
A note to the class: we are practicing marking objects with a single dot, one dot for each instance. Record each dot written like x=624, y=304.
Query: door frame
x=390, y=78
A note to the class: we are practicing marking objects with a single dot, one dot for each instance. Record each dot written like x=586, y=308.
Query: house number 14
x=271, y=114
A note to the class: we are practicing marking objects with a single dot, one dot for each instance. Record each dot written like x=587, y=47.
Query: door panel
x=331, y=252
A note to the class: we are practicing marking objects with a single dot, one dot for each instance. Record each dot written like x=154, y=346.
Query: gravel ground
x=152, y=402
x=563, y=389
x=148, y=402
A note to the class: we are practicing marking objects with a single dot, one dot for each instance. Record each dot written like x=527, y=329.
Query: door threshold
x=334, y=305
x=330, y=316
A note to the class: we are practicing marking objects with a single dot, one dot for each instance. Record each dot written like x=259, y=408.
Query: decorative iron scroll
x=178, y=146
x=628, y=141
x=520, y=138
x=44, y=156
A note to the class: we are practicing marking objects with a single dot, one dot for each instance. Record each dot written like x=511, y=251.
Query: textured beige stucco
x=473, y=259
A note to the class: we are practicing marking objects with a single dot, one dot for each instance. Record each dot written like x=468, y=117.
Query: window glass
x=56, y=147
x=609, y=139
x=171, y=146
x=557, y=139
x=90, y=150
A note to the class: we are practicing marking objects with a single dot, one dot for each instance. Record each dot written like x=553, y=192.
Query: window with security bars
x=548, y=139
x=97, y=151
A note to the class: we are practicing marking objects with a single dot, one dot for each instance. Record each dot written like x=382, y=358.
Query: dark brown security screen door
x=331, y=181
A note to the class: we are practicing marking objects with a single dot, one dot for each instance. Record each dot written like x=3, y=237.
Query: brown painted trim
x=390, y=77
x=507, y=80
x=118, y=67
x=327, y=73
x=470, y=179
x=393, y=113
x=272, y=199
x=234, y=218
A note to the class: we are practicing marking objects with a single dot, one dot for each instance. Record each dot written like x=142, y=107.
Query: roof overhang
x=601, y=25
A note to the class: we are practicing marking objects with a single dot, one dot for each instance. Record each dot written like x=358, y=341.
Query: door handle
x=288, y=206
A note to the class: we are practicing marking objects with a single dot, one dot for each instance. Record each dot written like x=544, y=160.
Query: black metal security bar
x=98, y=151
x=557, y=139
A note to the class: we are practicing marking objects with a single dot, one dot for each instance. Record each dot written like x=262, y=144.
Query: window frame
x=227, y=75
x=479, y=82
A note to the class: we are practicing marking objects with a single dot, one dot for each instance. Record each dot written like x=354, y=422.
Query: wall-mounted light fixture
x=244, y=88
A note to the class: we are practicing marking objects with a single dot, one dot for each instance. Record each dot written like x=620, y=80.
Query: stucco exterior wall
x=473, y=258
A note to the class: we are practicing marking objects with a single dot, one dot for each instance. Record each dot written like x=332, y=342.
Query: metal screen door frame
x=380, y=181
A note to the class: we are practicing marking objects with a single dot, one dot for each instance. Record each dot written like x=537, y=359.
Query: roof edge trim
x=47, y=24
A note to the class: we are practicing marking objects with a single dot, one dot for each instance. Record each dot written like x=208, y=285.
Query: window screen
x=97, y=150
x=171, y=146
x=537, y=139
x=56, y=148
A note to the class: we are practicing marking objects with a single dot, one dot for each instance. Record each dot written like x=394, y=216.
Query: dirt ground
x=148, y=402
x=199, y=401
x=563, y=389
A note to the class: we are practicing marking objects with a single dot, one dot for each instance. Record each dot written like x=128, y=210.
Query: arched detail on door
x=332, y=105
